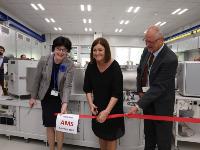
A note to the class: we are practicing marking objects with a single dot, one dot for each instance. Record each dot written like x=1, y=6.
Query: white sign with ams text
x=67, y=123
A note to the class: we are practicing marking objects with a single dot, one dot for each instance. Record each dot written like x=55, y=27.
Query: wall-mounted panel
x=188, y=44
x=36, y=50
x=7, y=40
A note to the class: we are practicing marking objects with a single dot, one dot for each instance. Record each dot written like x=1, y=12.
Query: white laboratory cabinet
x=181, y=103
x=28, y=124
x=17, y=74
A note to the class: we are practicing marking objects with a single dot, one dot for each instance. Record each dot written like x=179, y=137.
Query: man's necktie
x=151, y=61
x=146, y=68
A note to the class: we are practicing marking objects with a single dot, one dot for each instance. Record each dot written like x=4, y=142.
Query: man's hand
x=141, y=94
x=32, y=102
x=133, y=110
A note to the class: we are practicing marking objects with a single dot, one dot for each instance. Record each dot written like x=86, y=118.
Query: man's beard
x=1, y=53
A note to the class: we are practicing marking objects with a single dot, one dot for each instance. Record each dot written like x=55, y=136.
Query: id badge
x=54, y=92
x=145, y=88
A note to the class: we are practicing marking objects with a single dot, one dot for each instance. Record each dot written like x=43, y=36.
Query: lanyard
x=54, y=77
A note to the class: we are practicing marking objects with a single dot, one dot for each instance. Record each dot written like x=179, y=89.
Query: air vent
x=45, y=46
x=20, y=36
x=28, y=39
x=36, y=43
x=4, y=30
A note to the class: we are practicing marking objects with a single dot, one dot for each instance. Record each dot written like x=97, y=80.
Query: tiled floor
x=17, y=143
x=21, y=144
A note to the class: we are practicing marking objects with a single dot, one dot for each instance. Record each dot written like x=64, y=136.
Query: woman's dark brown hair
x=105, y=44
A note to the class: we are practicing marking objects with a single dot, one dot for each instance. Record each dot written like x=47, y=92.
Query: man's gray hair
x=157, y=31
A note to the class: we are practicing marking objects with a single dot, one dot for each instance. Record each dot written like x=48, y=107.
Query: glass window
x=121, y=54
x=135, y=55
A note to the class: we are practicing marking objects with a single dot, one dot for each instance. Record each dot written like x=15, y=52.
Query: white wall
x=118, y=41
x=16, y=46
x=123, y=48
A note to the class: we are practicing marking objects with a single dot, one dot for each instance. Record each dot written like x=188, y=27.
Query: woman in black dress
x=103, y=85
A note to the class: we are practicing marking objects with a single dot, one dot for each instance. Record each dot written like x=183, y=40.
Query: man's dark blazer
x=161, y=94
x=5, y=60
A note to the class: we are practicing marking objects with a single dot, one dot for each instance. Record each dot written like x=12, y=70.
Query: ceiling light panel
x=82, y=7
x=121, y=22
x=133, y=9
x=158, y=23
x=86, y=7
x=126, y=22
x=130, y=9
x=182, y=11
x=41, y=7
x=84, y=20
x=57, y=28
x=118, y=30
x=179, y=11
x=163, y=23
x=34, y=6
x=136, y=9
x=88, y=29
x=89, y=20
x=52, y=20
x=89, y=7
x=47, y=20
x=176, y=11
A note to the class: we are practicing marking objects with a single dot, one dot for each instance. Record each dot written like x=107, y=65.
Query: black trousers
x=157, y=133
x=5, y=91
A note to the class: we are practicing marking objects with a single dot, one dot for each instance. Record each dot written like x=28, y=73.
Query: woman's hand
x=63, y=108
x=32, y=102
x=93, y=109
x=102, y=116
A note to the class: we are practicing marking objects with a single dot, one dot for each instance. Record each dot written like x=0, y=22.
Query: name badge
x=145, y=88
x=54, y=92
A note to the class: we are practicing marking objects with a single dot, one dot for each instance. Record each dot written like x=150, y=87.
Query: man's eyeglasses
x=64, y=50
x=150, y=42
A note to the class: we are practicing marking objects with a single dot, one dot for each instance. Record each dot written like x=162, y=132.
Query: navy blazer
x=161, y=94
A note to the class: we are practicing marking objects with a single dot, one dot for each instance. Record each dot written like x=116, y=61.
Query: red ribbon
x=148, y=117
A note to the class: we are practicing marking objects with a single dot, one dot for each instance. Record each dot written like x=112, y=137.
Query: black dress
x=104, y=86
x=51, y=104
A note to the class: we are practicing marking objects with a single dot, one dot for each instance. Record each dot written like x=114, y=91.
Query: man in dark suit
x=156, y=88
x=3, y=59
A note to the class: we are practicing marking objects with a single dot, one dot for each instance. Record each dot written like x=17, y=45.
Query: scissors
x=29, y=110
